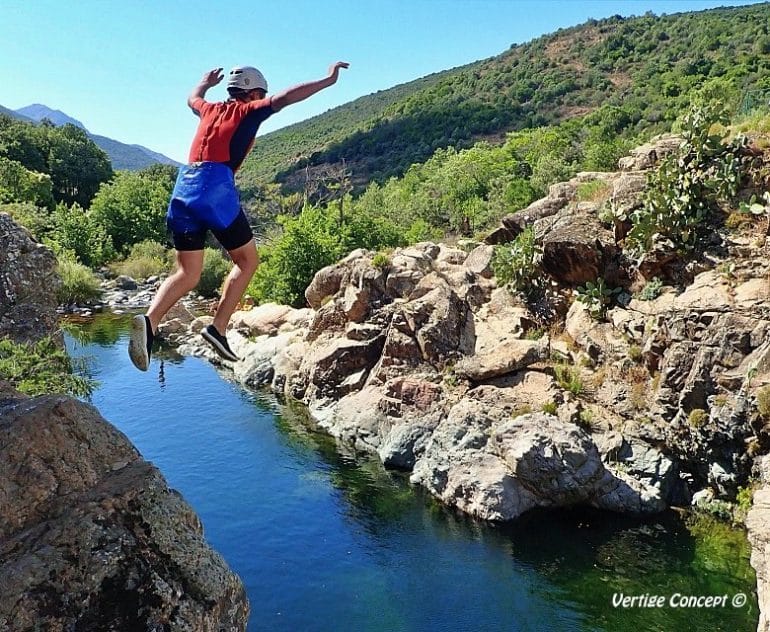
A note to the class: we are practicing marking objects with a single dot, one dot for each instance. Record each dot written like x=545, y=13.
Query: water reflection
x=585, y=555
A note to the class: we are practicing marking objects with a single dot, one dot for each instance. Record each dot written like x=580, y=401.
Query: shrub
x=550, y=408
x=569, y=378
x=76, y=230
x=516, y=264
x=763, y=402
x=744, y=499
x=146, y=259
x=381, y=261
x=597, y=297
x=215, y=268
x=651, y=290
x=697, y=417
x=524, y=409
x=79, y=283
x=40, y=368
x=687, y=185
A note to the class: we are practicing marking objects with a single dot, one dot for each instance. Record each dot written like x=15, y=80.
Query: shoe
x=219, y=342
x=140, y=343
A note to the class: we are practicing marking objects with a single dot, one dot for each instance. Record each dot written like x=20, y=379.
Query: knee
x=247, y=262
x=187, y=279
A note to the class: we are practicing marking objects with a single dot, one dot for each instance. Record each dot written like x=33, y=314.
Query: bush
x=569, y=378
x=132, y=208
x=308, y=243
x=215, y=268
x=651, y=290
x=517, y=264
x=40, y=368
x=687, y=186
x=79, y=283
x=763, y=402
x=381, y=261
x=697, y=417
x=76, y=230
x=597, y=297
x=146, y=259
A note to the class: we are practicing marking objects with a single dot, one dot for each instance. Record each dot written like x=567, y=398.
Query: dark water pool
x=325, y=539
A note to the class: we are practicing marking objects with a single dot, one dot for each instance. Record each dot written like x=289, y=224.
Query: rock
x=579, y=249
x=125, y=282
x=325, y=283
x=479, y=261
x=263, y=319
x=496, y=468
x=650, y=154
x=506, y=357
x=91, y=536
x=453, y=256
x=28, y=285
x=702, y=498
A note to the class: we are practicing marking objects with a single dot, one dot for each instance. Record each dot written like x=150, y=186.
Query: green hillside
x=645, y=68
x=284, y=149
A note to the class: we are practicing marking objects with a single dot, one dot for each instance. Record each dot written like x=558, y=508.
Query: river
x=328, y=540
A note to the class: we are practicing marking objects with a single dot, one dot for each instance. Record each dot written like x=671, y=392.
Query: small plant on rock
x=763, y=402
x=697, y=417
x=524, y=409
x=651, y=290
x=569, y=378
x=516, y=264
x=381, y=261
x=550, y=408
x=597, y=297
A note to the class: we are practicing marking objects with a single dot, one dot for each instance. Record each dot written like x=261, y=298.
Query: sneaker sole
x=227, y=355
x=137, y=344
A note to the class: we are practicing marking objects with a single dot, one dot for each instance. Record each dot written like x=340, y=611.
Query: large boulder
x=91, y=536
x=28, y=285
x=484, y=462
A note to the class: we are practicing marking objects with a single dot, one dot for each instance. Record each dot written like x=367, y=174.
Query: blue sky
x=125, y=68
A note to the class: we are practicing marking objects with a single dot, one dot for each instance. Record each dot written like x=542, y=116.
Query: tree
x=132, y=208
x=77, y=166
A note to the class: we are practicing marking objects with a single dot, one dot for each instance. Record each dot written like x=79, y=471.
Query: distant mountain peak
x=121, y=155
x=38, y=112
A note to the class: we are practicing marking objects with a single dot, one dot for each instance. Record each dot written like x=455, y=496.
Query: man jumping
x=205, y=199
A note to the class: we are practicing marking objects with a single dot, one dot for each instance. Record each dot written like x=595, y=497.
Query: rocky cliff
x=91, y=536
x=28, y=284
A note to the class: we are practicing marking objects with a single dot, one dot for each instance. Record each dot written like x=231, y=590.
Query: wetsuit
x=204, y=196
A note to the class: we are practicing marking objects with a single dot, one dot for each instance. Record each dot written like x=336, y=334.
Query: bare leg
x=246, y=261
x=189, y=264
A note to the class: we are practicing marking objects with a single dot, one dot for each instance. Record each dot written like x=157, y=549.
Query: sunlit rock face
x=91, y=536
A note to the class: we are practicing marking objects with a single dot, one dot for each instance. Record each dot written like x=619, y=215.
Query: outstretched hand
x=212, y=77
x=334, y=69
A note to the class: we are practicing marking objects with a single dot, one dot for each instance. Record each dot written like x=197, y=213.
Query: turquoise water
x=325, y=539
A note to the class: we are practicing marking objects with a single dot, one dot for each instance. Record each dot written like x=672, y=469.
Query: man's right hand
x=334, y=69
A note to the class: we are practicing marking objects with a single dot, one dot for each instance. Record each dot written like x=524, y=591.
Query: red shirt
x=227, y=129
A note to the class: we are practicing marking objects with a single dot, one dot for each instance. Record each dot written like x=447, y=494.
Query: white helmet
x=246, y=78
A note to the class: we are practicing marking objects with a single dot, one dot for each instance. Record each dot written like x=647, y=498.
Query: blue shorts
x=204, y=198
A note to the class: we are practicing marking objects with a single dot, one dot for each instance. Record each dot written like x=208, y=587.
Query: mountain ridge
x=123, y=156
x=636, y=73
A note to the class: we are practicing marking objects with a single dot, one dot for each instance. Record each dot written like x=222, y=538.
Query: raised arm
x=210, y=79
x=305, y=90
